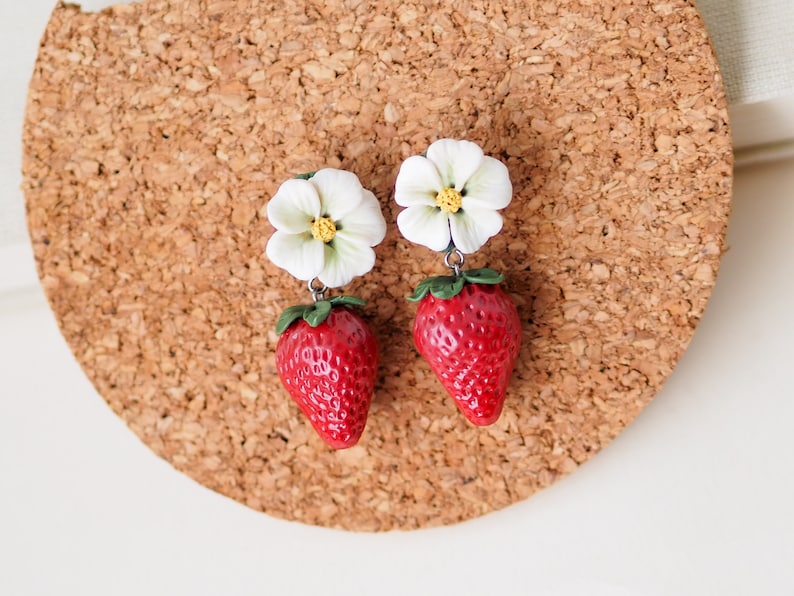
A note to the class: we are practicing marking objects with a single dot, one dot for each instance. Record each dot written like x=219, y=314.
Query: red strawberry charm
x=469, y=331
x=327, y=359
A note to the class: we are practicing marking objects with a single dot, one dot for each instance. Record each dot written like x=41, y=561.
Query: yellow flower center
x=324, y=229
x=449, y=200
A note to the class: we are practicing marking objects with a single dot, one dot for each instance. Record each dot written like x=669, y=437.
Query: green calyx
x=447, y=286
x=314, y=314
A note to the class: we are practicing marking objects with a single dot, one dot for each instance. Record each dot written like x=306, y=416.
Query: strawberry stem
x=314, y=314
x=447, y=286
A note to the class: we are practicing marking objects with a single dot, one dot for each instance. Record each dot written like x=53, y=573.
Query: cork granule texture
x=156, y=132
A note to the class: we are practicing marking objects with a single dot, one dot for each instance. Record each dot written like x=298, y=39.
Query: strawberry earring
x=466, y=327
x=326, y=225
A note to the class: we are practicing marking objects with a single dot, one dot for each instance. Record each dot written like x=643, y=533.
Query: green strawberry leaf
x=483, y=276
x=347, y=301
x=448, y=286
x=305, y=176
x=318, y=314
x=314, y=314
x=290, y=315
x=421, y=290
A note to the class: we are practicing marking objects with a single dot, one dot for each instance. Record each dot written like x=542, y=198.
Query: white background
x=695, y=497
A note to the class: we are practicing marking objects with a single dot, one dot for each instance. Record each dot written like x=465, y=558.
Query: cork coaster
x=156, y=132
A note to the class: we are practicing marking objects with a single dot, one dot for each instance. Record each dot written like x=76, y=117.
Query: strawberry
x=327, y=359
x=468, y=330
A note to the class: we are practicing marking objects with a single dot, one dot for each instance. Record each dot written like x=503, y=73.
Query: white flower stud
x=466, y=327
x=452, y=195
x=327, y=357
x=326, y=226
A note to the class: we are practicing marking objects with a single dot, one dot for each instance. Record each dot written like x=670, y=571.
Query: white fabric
x=755, y=46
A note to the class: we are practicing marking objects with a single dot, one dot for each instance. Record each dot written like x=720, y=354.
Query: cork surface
x=156, y=132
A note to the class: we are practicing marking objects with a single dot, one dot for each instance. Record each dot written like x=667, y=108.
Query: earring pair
x=466, y=327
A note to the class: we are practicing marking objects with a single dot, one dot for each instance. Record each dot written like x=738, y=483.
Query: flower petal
x=344, y=260
x=418, y=182
x=365, y=224
x=340, y=192
x=489, y=187
x=456, y=160
x=428, y=226
x=471, y=228
x=294, y=207
x=300, y=254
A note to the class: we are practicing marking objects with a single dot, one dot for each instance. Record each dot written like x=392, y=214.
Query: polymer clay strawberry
x=327, y=359
x=469, y=332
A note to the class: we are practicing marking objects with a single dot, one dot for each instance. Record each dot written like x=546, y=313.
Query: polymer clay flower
x=326, y=226
x=452, y=196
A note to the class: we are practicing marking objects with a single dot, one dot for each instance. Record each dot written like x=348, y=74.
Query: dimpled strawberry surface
x=330, y=372
x=471, y=342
